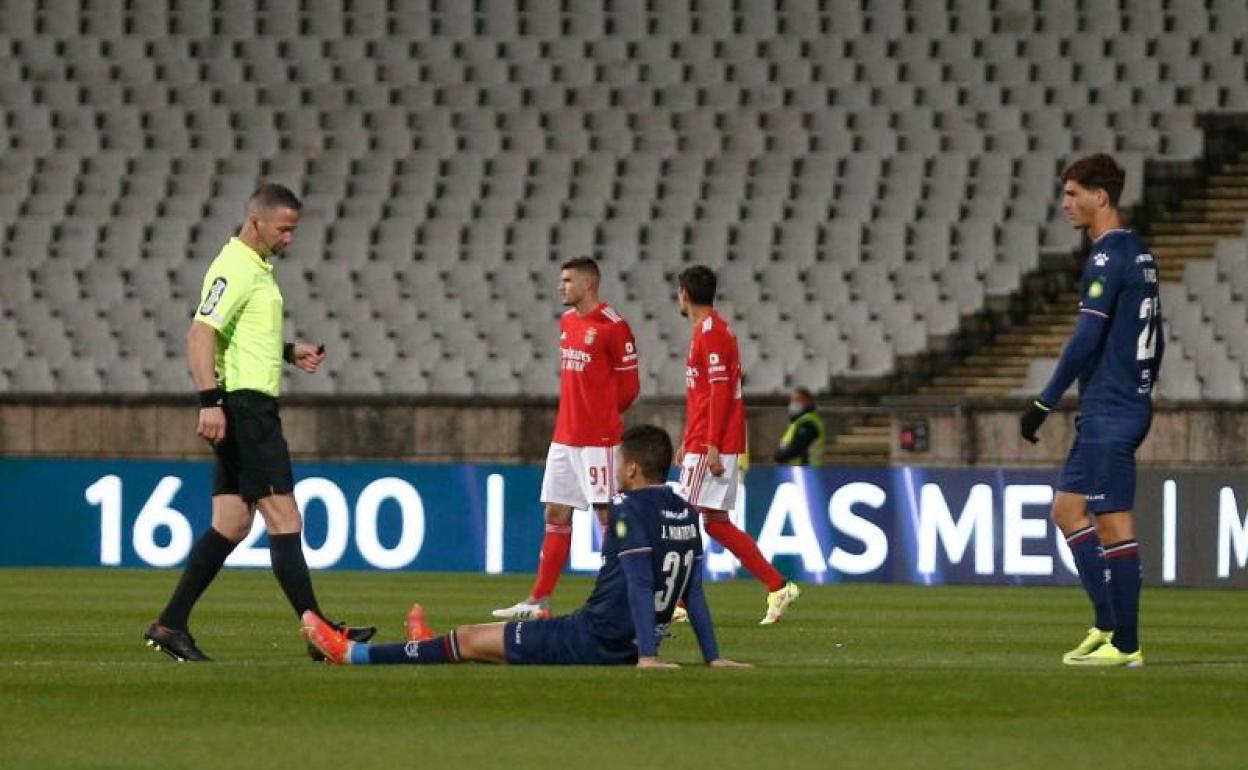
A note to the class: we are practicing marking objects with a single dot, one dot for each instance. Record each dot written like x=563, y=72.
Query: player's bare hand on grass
x=726, y=663
x=211, y=425
x=309, y=357
x=714, y=463
x=653, y=662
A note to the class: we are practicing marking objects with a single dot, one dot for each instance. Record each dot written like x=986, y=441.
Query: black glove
x=1032, y=419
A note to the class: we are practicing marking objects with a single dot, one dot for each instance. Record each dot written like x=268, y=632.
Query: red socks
x=746, y=550
x=558, y=542
x=555, y=547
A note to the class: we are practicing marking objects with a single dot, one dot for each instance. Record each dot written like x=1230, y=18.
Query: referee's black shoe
x=179, y=645
x=353, y=634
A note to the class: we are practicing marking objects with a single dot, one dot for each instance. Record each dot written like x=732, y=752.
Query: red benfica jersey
x=714, y=359
x=598, y=377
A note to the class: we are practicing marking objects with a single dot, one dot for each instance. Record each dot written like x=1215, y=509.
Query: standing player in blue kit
x=1115, y=352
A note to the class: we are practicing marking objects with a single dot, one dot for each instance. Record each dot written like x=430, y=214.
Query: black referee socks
x=209, y=553
x=286, y=552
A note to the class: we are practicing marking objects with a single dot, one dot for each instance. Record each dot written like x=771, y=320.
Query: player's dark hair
x=650, y=447
x=275, y=196
x=699, y=283
x=1097, y=172
x=583, y=264
x=805, y=394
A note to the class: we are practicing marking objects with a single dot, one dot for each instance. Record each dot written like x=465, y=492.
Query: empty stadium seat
x=848, y=155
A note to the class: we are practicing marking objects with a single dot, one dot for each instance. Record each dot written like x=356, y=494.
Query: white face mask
x=795, y=408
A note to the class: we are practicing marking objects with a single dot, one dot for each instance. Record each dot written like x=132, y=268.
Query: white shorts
x=579, y=476
x=704, y=490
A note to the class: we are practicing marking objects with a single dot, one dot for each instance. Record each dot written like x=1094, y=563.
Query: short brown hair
x=650, y=447
x=583, y=264
x=1097, y=172
x=275, y=196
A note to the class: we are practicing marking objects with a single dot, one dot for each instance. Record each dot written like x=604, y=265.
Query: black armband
x=288, y=352
x=211, y=397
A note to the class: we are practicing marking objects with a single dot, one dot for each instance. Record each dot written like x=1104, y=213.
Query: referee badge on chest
x=590, y=336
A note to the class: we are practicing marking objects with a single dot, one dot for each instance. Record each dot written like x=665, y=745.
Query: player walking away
x=651, y=558
x=715, y=433
x=1115, y=352
x=598, y=382
x=236, y=351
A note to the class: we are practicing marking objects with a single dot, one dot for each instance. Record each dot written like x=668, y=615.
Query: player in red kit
x=715, y=433
x=598, y=381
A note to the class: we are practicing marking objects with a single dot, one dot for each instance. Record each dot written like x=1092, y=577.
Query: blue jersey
x=1120, y=284
x=653, y=519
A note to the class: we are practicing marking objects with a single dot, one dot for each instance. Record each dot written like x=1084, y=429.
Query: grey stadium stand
x=876, y=170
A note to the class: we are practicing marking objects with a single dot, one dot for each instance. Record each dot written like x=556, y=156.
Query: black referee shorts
x=253, y=460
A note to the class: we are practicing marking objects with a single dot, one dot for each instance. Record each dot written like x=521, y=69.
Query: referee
x=235, y=350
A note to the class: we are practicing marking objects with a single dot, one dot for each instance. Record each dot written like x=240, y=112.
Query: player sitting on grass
x=651, y=558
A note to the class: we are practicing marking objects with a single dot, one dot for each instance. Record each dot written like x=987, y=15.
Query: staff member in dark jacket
x=802, y=443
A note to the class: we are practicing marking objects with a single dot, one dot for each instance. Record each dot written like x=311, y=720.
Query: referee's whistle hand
x=211, y=425
x=309, y=357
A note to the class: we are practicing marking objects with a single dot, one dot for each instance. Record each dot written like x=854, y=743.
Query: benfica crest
x=590, y=336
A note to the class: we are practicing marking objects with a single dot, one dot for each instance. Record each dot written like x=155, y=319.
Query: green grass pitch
x=859, y=676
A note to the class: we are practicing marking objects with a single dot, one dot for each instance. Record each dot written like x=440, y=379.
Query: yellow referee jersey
x=240, y=299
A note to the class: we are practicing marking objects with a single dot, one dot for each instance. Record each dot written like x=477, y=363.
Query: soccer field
x=859, y=676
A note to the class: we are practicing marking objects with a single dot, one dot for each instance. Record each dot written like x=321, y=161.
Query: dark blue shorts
x=1101, y=464
x=563, y=641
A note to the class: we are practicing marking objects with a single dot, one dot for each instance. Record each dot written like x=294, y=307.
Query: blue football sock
x=1086, y=548
x=1125, y=579
x=443, y=649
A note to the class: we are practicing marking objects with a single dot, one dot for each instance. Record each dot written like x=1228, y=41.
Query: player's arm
x=1161, y=341
x=700, y=614
x=636, y=556
x=1100, y=285
x=715, y=362
x=627, y=387
x=700, y=619
x=639, y=575
x=625, y=362
x=223, y=298
x=201, y=355
x=1079, y=351
x=718, y=406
